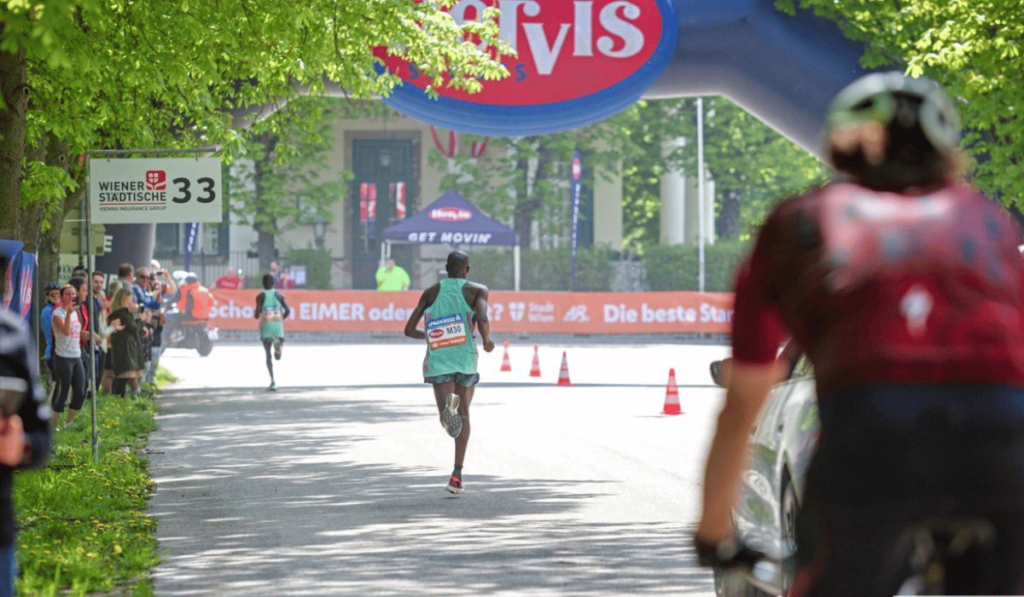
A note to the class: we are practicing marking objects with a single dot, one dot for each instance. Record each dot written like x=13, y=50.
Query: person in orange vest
x=194, y=301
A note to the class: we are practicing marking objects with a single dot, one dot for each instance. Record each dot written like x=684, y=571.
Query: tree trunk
x=729, y=217
x=48, y=221
x=15, y=90
x=32, y=215
x=265, y=230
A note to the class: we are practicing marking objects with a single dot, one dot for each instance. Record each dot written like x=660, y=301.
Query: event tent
x=451, y=220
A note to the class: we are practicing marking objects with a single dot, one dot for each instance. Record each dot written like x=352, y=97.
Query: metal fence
x=210, y=267
x=629, y=276
x=629, y=273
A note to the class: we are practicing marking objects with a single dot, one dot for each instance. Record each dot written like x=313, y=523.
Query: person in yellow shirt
x=392, y=278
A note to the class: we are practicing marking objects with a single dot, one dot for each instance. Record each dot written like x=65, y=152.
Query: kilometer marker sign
x=155, y=190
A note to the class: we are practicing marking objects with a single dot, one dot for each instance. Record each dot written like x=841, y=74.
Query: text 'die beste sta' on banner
x=509, y=312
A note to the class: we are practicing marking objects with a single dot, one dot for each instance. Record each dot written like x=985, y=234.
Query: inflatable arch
x=580, y=61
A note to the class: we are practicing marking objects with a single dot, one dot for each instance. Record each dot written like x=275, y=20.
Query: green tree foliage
x=276, y=181
x=753, y=166
x=973, y=47
x=82, y=75
x=645, y=127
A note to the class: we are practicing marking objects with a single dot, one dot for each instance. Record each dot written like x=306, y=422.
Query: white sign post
x=155, y=190
x=147, y=191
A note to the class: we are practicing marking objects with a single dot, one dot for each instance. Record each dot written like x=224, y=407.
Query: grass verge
x=82, y=524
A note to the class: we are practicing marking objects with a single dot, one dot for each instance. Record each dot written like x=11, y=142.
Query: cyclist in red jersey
x=905, y=288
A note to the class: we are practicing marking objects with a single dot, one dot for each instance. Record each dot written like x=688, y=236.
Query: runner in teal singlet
x=450, y=309
x=271, y=310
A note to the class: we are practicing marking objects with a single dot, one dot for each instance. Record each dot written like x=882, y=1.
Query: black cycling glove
x=730, y=553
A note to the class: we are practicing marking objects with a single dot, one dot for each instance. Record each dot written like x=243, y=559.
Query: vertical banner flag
x=25, y=271
x=19, y=275
x=398, y=192
x=363, y=192
x=577, y=177
x=371, y=203
x=191, y=234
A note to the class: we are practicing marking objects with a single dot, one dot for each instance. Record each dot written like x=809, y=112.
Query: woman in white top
x=67, y=356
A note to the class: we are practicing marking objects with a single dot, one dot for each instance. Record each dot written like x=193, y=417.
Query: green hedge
x=548, y=269
x=666, y=267
x=492, y=268
x=677, y=267
x=318, y=267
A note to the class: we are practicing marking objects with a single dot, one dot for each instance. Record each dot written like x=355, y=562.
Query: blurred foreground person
x=25, y=439
x=905, y=288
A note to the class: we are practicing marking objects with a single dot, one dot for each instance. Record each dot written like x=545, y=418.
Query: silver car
x=781, y=443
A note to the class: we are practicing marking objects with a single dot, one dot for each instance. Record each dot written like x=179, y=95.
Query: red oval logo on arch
x=566, y=50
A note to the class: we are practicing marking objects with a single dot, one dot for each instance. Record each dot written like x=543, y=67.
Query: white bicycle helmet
x=873, y=98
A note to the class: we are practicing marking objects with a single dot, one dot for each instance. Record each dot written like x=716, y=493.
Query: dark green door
x=383, y=170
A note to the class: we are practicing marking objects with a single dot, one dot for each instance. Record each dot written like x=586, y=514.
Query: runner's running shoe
x=450, y=418
x=277, y=349
x=273, y=387
x=454, y=485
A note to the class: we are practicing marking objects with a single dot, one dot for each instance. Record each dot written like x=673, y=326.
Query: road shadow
x=256, y=497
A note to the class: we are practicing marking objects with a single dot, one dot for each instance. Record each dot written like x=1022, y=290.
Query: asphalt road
x=333, y=485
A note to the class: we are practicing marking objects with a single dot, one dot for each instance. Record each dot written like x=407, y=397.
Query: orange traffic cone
x=563, y=374
x=672, y=396
x=535, y=367
x=505, y=364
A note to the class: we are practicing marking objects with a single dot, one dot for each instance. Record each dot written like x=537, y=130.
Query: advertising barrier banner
x=510, y=312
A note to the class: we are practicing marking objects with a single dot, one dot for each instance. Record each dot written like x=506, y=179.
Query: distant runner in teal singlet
x=271, y=310
x=450, y=309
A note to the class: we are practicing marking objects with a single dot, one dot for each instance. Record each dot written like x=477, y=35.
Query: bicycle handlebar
x=755, y=567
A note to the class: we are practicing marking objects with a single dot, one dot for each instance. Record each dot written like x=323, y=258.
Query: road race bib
x=273, y=313
x=449, y=330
